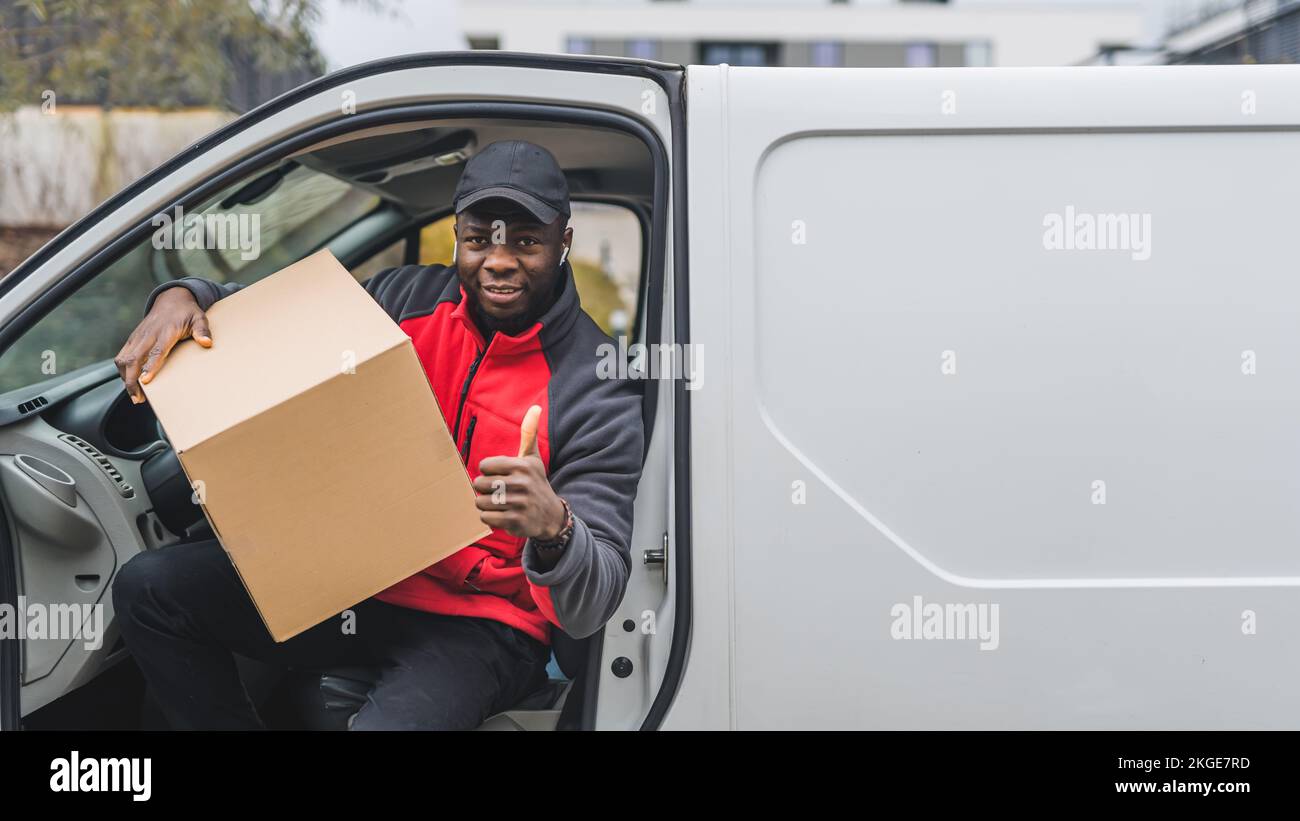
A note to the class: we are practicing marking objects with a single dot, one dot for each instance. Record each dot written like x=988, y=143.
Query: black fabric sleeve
x=205, y=291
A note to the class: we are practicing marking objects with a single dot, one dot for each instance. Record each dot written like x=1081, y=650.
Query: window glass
x=738, y=54
x=263, y=235
x=979, y=53
x=643, y=49
x=221, y=240
x=921, y=55
x=827, y=54
x=87, y=327
x=295, y=218
x=390, y=257
x=578, y=45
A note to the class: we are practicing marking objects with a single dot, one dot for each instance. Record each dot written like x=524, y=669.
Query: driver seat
x=329, y=699
x=343, y=690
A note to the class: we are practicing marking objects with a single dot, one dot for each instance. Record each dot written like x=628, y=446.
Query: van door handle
x=659, y=557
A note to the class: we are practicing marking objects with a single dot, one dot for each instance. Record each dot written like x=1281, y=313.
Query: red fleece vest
x=483, y=392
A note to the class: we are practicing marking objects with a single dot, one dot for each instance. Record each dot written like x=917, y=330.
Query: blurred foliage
x=598, y=294
x=155, y=53
x=436, y=241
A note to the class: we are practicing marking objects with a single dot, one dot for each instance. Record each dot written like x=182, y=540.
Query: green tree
x=155, y=53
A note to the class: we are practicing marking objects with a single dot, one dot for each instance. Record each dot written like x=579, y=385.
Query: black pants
x=183, y=610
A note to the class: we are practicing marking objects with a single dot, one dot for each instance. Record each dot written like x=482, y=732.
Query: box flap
x=299, y=327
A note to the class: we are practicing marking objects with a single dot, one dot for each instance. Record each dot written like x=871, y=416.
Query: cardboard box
x=315, y=443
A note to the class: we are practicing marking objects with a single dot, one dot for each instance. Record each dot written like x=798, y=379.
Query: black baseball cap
x=521, y=172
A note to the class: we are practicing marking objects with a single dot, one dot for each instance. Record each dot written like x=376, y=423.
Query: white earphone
x=564, y=254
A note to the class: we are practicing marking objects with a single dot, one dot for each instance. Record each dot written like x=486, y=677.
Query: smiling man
x=498, y=332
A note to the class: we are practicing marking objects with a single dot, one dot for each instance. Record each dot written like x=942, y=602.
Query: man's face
x=509, y=264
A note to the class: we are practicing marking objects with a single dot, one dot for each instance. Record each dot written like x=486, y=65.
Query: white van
x=994, y=420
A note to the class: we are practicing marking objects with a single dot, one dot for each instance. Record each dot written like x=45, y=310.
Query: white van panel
x=1065, y=367
x=855, y=234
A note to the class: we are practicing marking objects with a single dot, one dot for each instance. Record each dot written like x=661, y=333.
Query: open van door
x=10, y=651
x=83, y=472
x=1002, y=431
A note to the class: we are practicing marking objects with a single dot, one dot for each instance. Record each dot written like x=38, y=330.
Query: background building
x=874, y=33
x=1239, y=31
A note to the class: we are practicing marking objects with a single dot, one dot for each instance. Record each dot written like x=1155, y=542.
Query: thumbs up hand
x=514, y=493
x=528, y=433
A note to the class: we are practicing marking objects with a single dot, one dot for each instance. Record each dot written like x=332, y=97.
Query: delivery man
x=498, y=332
